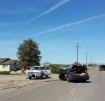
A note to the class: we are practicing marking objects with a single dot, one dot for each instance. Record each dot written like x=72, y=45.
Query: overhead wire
x=51, y=23
x=51, y=14
x=69, y=21
x=47, y=20
x=72, y=27
x=76, y=37
x=60, y=22
x=65, y=21
x=32, y=3
x=58, y=15
x=54, y=17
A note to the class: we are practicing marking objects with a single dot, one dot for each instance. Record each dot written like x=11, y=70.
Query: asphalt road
x=56, y=90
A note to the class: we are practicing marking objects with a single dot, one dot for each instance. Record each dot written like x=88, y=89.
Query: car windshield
x=38, y=68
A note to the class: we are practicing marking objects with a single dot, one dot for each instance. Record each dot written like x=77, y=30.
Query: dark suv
x=102, y=68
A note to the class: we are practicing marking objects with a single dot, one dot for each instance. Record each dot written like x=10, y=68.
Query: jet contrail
x=10, y=31
x=44, y=13
x=49, y=10
x=66, y=25
x=60, y=27
x=7, y=33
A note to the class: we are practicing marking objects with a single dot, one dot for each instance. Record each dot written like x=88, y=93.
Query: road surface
x=56, y=90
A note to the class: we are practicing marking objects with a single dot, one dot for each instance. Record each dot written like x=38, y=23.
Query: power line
x=55, y=17
x=65, y=14
x=51, y=14
x=58, y=13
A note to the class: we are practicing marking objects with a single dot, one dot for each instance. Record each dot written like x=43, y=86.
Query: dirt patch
x=15, y=84
x=18, y=81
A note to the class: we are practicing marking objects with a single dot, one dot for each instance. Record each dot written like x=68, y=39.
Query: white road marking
x=72, y=90
x=94, y=75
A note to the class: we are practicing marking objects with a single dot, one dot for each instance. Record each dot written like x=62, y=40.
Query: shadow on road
x=51, y=80
x=40, y=78
x=81, y=81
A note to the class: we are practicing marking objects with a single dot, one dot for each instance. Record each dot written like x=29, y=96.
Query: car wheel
x=61, y=77
x=84, y=80
x=46, y=76
x=42, y=75
x=30, y=77
x=68, y=79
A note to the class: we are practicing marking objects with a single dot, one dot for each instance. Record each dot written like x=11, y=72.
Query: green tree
x=76, y=63
x=28, y=54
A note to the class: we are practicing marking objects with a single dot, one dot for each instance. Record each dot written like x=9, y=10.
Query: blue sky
x=54, y=25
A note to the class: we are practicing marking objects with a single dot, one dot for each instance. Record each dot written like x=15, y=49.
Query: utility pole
x=77, y=41
x=91, y=60
x=86, y=58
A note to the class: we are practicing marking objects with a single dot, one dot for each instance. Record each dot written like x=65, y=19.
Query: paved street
x=56, y=90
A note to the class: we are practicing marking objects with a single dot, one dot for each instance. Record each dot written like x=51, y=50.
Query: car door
x=28, y=69
x=47, y=70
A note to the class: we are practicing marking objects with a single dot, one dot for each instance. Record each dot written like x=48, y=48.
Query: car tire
x=41, y=75
x=84, y=80
x=61, y=77
x=68, y=79
x=30, y=77
x=46, y=76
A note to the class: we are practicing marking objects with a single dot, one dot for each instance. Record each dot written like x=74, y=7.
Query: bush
x=54, y=68
x=4, y=72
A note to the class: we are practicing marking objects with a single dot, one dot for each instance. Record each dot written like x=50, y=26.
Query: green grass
x=8, y=73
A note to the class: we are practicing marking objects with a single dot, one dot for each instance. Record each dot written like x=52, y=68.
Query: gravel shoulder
x=18, y=81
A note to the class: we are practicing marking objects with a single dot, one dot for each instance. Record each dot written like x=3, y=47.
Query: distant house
x=6, y=64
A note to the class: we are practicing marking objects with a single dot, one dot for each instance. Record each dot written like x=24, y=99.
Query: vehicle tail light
x=86, y=74
x=73, y=74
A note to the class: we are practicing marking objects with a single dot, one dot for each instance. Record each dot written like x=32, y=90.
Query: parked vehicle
x=37, y=72
x=102, y=68
x=77, y=73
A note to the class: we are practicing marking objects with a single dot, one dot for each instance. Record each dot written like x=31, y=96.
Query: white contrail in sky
x=44, y=13
x=60, y=27
x=10, y=31
x=66, y=25
x=49, y=10
x=7, y=33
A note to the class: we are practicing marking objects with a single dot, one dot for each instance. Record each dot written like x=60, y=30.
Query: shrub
x=4, y=72
x=54, y=68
